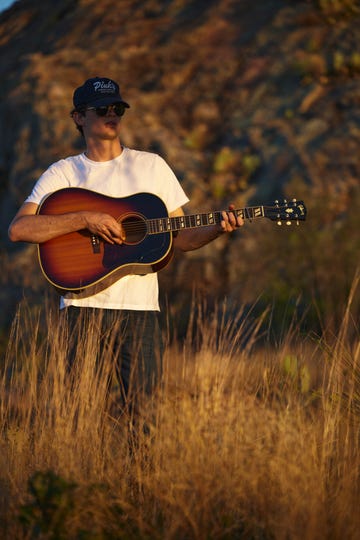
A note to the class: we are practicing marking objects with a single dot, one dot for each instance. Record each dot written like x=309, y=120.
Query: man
x=108, y=167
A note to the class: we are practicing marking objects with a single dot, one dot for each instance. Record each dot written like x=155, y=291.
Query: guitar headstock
x=286, y=211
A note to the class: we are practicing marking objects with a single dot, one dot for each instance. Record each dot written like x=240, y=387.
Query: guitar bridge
x=95, y=243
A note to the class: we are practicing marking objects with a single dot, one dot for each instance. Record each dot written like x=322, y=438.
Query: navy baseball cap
x=97, y=92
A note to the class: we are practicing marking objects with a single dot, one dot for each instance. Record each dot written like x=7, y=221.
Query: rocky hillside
x=247, y=101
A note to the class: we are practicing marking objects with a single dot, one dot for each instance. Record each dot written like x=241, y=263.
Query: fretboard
x=168, y=224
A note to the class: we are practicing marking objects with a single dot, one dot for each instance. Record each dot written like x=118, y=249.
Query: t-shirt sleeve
x=170, y=189
x=51, y=180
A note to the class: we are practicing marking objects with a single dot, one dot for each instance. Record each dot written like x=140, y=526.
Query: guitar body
x=82, y=263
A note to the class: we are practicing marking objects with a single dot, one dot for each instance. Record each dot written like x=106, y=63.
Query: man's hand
x=105, y=226
x=230, y=222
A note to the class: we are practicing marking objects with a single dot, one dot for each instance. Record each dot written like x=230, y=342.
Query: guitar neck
x=192, y=221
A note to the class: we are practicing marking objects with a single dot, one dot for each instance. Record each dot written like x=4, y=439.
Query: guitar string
x=139, y=225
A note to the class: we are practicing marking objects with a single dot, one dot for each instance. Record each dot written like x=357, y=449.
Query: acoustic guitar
x=82, y=263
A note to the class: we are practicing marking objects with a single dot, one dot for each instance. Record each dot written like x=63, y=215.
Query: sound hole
x=135, y=228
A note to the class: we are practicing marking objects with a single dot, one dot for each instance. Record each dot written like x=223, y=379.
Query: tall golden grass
x=243, y=439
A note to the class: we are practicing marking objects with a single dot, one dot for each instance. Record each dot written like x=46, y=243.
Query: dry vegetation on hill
x=246, y=105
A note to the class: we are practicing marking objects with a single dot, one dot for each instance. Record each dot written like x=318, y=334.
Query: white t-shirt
x=130, y=173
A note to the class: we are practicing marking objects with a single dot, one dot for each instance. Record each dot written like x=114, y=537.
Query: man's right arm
x=28, y=226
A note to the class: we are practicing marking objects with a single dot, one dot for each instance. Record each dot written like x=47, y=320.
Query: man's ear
x=78, y=118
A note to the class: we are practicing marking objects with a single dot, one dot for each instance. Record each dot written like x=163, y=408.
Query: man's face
x=102, y=123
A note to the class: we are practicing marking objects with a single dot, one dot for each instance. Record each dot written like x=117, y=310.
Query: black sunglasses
x=118, y=108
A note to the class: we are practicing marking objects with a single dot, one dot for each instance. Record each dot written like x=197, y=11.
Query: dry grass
x=241, y=441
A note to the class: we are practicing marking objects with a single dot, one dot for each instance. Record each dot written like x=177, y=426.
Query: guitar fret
x=248, y=213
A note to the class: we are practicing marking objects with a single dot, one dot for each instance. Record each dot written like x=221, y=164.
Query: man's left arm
x=190, y=239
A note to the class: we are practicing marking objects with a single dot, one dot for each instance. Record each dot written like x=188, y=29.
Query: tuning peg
x=288, y=223
x=279, y=222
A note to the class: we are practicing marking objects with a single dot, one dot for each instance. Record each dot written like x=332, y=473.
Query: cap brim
x=107, y=101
